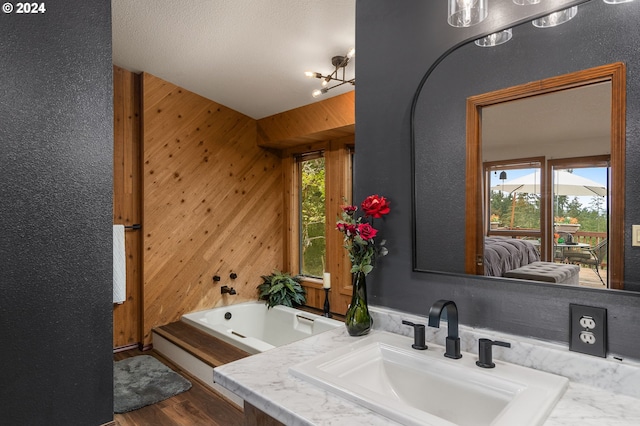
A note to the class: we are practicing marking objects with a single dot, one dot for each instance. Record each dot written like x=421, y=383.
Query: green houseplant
x=280, y=288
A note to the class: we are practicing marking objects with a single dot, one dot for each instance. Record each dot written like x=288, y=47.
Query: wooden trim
x=616, y=74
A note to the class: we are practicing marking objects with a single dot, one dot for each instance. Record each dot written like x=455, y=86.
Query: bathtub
x=253, y=328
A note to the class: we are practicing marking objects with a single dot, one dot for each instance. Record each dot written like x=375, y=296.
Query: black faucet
x=485, y=357
x=226, y=289
x=453, y=341
x=418, y=335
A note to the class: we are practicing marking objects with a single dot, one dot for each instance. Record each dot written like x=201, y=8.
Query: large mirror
x=444, y=220
x=573, y=125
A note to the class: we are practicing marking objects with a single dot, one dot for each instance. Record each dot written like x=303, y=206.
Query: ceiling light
x=617, y=1
x=526, y=2
x=339, y=63
x=465, y=13
x=495, y=39
x=556, y=18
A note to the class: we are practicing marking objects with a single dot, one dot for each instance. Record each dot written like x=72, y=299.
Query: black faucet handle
x=485, y=353
x=418, y=335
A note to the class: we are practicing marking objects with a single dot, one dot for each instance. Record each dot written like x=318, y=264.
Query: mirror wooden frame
x=616, y=74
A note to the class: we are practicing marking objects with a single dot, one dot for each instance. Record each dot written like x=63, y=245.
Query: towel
x=119, y=265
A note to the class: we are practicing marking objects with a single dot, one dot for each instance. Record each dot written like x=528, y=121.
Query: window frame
x=338, y=188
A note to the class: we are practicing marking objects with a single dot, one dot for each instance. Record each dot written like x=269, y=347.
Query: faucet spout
x=453, y=340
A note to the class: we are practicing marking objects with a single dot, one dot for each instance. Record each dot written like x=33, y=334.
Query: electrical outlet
x=588, y=330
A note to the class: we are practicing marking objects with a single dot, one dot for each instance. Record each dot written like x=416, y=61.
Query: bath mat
x=143, y=380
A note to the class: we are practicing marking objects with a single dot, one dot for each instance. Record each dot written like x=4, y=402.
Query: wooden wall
x=213, y=198
x=127, y=200
x=212, y=204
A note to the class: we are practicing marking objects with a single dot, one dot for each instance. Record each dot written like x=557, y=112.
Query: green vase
x=358, y=319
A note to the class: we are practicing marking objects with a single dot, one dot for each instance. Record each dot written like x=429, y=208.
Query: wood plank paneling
x=127, y=200
x=333, y=118
x=212, y=204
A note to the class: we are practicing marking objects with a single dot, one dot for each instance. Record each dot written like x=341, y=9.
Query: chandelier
x=338, y=75
x=465, y=13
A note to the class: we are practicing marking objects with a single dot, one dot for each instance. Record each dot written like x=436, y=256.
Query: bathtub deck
x=201, y=345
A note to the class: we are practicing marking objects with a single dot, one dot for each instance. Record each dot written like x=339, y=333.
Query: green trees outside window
x=313, y=217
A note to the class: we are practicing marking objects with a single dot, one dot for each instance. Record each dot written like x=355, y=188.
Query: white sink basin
x=383, y=373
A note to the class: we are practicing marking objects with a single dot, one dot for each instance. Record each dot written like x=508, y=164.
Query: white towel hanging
x=119, y=265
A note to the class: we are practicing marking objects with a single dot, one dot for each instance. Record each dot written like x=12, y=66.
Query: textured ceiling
x=249, y=55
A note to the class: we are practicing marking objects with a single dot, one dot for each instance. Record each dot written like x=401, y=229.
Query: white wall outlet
x=588, y=330
x=588, y=337
x=587, y=322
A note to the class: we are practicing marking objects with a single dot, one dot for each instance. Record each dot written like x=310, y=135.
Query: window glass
x=312, y=216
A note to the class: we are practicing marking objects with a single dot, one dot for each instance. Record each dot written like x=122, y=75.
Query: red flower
x=366, y=231
x=375, y=206
x=350, y=210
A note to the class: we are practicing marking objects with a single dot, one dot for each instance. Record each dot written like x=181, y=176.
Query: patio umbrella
x=564, y=183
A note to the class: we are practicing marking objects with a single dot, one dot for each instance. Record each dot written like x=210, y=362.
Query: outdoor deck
x=589, y=278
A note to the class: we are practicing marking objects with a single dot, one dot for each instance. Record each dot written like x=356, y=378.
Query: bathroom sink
x=383, y=373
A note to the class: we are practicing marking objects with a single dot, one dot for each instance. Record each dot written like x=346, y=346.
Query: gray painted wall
x=56, y=143
x=397, y=43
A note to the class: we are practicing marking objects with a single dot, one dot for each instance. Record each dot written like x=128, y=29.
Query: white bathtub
x=253, y=328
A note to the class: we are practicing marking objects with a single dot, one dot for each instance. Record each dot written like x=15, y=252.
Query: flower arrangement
x=494, y=218
x=359, y=235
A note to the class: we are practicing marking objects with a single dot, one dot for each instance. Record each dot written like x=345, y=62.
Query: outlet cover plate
x=576, y=344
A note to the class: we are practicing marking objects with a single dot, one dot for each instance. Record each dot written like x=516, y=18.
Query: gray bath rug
x=143, y=380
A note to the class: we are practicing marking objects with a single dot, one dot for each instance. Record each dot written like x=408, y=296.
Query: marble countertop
x=264, y=381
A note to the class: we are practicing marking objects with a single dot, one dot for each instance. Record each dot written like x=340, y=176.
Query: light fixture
x=526, y=2
x=495, y=39
x=339, y=63
x=465, y=13
x=617, y=1
x=556, y=18
x=503, y=175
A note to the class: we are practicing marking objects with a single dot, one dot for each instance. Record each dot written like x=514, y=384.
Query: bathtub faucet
x=226, y=289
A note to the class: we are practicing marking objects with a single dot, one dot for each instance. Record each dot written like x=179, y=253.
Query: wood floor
x=198, y=406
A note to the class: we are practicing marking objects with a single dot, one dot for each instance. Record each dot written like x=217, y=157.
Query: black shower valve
x=233, y=275
x=216, y=278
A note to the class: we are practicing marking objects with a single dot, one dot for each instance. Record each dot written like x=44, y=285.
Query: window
x=312, y=210
x=514, y=197
x=318, y=182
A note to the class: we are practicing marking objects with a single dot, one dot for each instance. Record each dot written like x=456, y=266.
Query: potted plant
x=566, y=224
x=280, y=288
x=495, y=221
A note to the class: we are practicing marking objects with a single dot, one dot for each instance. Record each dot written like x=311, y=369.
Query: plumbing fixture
x=233, y=275
x=418, y=335
x=453, y=341
x=216, y=278
x=485, y=357
x=226, y=289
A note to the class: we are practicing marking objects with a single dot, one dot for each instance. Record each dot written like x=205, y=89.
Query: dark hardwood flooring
x=200, y=405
